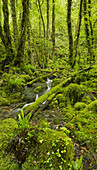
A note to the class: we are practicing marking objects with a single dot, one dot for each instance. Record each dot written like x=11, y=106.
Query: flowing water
x=48, y=82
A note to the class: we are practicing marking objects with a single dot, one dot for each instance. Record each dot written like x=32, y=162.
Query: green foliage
x=7, y=127
x=23, y=121
x=56, y=147
x=44, y=124
x=37, y=89
x=82, y=124
x=25, y=146
x=29, y=69
x=4, y=102
x=77, y=165
x=92, y=106
x=16, y=82
x=79, y=106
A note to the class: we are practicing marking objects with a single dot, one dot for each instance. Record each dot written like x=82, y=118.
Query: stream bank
x=78, y=114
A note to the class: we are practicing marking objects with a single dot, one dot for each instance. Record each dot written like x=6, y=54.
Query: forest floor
x=80, y=117
x=56, y=121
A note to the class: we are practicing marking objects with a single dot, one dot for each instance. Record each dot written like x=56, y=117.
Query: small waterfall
x=37, y=96
x=27, y=104
x=48, y=82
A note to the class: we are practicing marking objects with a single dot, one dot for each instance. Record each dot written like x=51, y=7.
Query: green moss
x=54, y=149
x=44, y=124
x=7, y=162
x=73, y=93
x=25, y=77
x=55, y=82
x=44, y=97
x=79, y=106
x=92, y=106
x=56, y=121
x=29, y=69
x=7, y=127
x=16, y=83
x=86, y=99
x=48, y=148
x=4, y=102
x=37, y=89
x=60, y=98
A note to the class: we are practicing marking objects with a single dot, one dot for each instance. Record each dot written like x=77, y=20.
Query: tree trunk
x=47, y=36
x=91, y=27
x=41, y=17
x=53, y=30
x=87, y=30
x=15, y=26
x=6, y=37
x=20, y=52
x=77, y=34
x=47, y=19
x=70, y=31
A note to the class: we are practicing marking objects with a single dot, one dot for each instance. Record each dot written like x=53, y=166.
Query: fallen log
x=38, y=105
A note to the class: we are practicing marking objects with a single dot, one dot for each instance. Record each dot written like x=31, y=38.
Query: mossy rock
x=54, y=150
x=73, y=93
x=60, y=98
x=6, y=163
x=79, y=106
x=92, y=106
x=86, y=99
x=7, y=127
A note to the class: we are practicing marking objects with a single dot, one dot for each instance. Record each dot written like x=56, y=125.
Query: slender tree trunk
x=77, y=34
x=39, y=26
x=6, y=37
x=29, y=51
x=91, y=26
x=87, y=30
x=47, y=19
x=20, y=53
x=41, y=17
x=15, y=27
x=70, y=31
x=53, y=30
x=47, y=36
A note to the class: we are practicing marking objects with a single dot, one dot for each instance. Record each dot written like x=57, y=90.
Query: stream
x=11, y=112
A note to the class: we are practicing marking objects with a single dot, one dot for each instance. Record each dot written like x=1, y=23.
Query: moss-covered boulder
x=92, y=106
x=37, y=147
x=54, y=150
x=79, y=106
x=73, y=93
x=7, y=127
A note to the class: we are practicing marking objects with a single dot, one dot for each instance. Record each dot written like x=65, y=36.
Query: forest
x=48, y=90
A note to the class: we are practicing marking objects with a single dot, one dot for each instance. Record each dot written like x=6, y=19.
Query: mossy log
x=46, y=97
x=34, y=108
x=43, y=106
